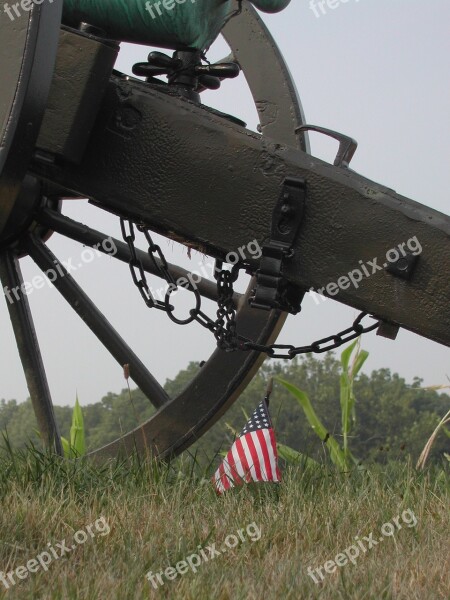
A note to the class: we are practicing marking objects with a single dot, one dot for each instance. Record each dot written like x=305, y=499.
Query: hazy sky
x=376, y=70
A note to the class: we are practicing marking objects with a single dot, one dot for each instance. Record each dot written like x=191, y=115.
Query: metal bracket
x=347, y=145
x=272, y=290
x=388, y=330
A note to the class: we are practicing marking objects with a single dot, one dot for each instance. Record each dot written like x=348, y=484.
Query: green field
x=138, y=517
x=363, y=525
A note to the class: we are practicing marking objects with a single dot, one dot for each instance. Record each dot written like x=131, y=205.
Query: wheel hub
x=21, y=218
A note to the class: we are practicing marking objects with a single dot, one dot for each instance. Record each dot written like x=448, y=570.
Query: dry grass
x=159, y=516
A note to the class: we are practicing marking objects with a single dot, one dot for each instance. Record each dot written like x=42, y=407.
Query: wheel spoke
x=28, y=346
x=96, y=321
x=91, y=237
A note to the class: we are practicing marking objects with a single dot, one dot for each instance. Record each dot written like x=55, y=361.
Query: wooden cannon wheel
x=28, y=49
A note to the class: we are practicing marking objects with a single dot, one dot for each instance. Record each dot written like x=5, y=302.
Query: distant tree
x=393, y=418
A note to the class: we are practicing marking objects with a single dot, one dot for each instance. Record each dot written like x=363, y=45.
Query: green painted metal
x=172, y=24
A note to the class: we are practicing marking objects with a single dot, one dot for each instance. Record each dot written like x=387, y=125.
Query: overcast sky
x=376, y=70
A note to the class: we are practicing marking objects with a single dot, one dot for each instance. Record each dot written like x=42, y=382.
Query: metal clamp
x=272, y=290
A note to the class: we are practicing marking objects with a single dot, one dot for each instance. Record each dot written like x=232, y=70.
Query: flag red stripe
x=223, y=477
x=244, y=462
x=232, y=466
x=254, y=454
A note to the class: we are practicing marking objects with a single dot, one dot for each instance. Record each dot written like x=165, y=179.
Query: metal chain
x=136, y=268
x=224, y=327
x=324, y=345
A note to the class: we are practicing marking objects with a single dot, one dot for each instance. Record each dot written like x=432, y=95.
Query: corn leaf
x=347, y=396
x=292, y=456
x=360, y=359
x=336, y=454
x=66, y=447
x=77, y=437
x=346, y=355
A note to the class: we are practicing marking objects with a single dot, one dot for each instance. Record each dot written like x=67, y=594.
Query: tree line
x=393, y=419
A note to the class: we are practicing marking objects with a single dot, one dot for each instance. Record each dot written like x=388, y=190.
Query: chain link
x=155, y=251
x=136, y=268
x=224, y=327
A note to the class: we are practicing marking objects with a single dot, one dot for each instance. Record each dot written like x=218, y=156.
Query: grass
x=159, y=515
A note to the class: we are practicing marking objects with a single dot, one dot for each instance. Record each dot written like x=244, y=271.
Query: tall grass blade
x=426, y=451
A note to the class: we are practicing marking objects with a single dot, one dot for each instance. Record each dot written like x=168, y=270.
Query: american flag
x=253, y=456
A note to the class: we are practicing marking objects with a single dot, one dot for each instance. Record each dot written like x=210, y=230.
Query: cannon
x=71, y=126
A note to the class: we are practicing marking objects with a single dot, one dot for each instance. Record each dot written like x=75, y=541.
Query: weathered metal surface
x=225, y=196
x=27, y=56
x=169, y=23
x=85, y=64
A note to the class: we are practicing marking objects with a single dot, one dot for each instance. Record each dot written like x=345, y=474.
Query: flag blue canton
x=260, y=419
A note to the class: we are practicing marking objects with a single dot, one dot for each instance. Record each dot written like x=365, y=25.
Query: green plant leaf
x=77, y=436
x=346, y=355
x=292, y=456
x=359, y=362
x=66, y=447
x=336, y=454
x=347, y=401
x=234, y=431
x=347, y=396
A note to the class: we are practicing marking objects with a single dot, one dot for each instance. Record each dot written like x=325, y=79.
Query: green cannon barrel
x=174, y=24
x=271, y=6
